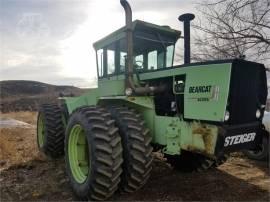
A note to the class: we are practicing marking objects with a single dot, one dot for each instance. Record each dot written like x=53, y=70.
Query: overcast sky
x=51, y=40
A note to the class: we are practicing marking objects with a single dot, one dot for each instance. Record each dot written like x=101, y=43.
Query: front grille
x=248, y=91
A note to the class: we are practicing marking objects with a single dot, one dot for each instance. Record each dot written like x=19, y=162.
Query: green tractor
x=195, y=113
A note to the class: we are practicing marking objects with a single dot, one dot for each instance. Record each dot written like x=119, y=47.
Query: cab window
x=155, y=48
x=160, y=59
x=110, y=59
x=110, y=62
x=152, y=60
x=123, y=56
x=100, y=63
x=169, y=56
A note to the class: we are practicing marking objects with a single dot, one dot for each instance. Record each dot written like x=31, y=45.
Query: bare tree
x=232, y=29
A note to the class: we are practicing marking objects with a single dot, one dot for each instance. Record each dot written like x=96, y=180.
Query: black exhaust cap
x=186, y=18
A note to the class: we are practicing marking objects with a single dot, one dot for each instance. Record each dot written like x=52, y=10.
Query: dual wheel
x=50, y=130
x=105, y=149
x=100, y=157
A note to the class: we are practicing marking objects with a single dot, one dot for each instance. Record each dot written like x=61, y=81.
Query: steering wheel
x=139, y=64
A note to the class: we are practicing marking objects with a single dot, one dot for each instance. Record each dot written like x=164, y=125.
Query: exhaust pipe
x=130, y=86
x=186, y=18
x=129, y=36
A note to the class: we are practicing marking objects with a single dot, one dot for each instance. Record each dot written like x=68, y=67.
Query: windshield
x=154, y=50
x=158, y=59
x=150, y=53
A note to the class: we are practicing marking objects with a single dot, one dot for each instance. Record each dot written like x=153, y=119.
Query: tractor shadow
x=166, y=184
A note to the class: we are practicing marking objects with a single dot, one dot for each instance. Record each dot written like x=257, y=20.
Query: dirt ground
x=28, y=175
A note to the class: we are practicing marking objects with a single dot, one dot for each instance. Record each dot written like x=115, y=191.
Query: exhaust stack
x=186, y=18
x=128, y=13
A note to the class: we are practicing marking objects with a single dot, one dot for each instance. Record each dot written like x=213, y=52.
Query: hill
x=15, y=88
x=21, y=95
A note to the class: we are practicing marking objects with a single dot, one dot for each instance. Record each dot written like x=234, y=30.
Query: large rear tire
x=262, y=153
x=50, y=130
x=93, y=154
x=137, y=149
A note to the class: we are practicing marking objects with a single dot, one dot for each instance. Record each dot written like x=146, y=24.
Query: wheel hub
x=41, y=130
x=78, y=154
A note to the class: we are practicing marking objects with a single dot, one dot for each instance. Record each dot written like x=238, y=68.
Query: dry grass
x=18, y=145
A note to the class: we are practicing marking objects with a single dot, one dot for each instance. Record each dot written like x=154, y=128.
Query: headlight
x=258, y=113
x=227, y=116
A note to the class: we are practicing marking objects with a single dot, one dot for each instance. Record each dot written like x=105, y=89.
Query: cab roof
x=139, y=26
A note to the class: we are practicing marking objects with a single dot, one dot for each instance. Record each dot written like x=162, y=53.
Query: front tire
x=137, y=149
x=50, y=130
x=93, y=154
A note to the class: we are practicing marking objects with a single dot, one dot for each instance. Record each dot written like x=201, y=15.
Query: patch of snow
x=13, y=123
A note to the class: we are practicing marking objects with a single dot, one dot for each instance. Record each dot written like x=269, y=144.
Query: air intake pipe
x=186, y=18
x=130, y=86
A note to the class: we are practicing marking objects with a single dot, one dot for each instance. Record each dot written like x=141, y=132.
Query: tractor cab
x=153, y=49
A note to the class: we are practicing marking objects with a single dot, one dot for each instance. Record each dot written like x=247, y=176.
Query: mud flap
x=238, y=137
